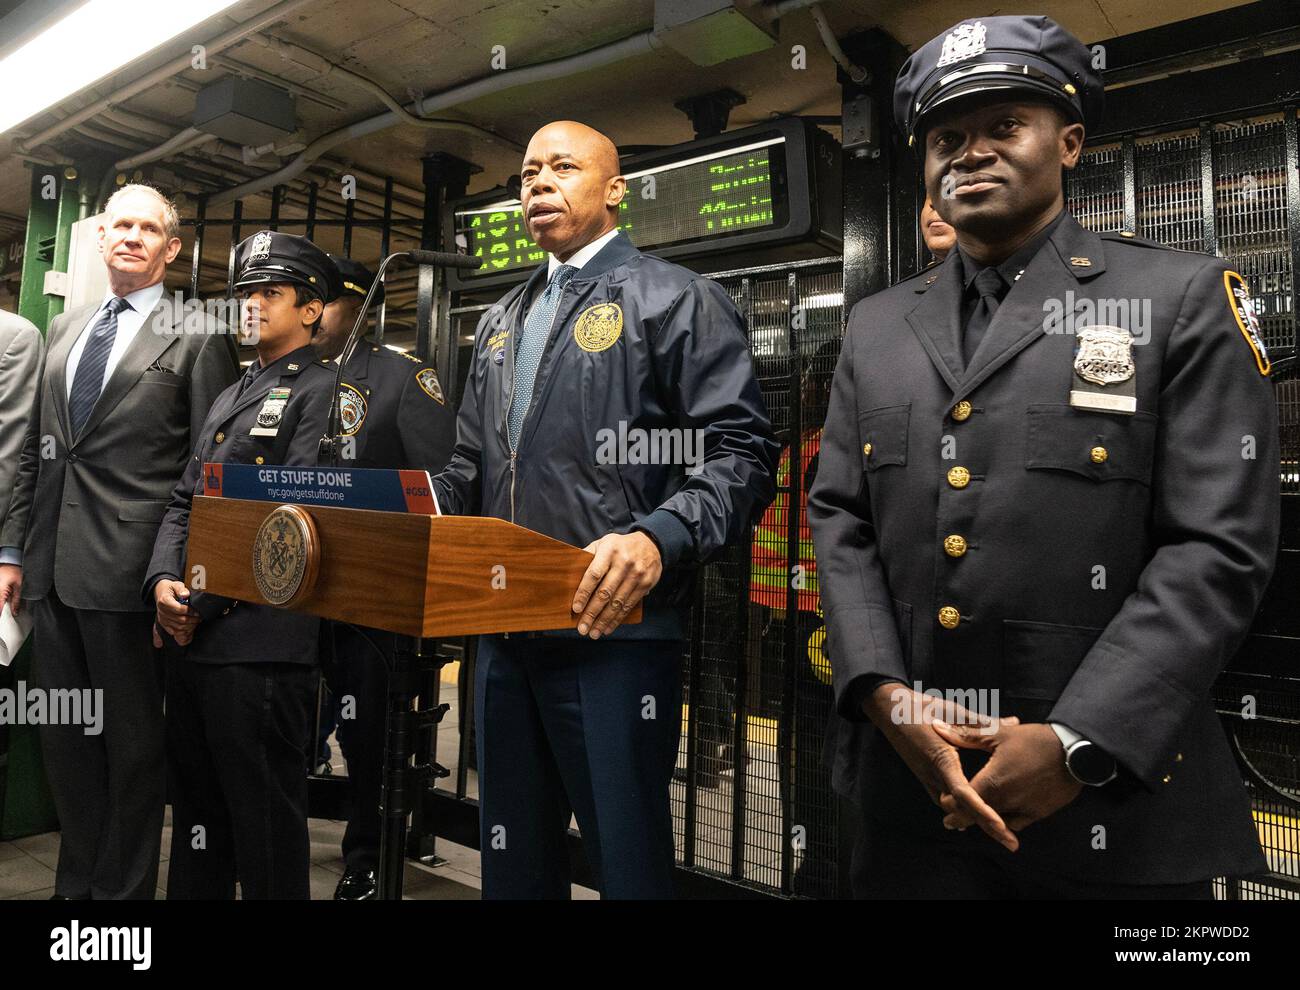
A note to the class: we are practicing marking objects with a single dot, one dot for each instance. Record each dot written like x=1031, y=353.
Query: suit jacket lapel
x=1020, y=318
x=145, y=348
x=57, y=362
x=936, y=318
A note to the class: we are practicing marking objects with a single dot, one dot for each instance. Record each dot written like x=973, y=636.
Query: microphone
x=442, y=259
x=328, y=449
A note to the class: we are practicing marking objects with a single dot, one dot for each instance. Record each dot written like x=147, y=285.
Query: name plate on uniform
x=343, y=488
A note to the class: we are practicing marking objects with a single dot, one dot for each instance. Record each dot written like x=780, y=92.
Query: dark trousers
x=238, y=740
x=108, y=788
x=896, y=863
x=356, y=670
x=575, y=725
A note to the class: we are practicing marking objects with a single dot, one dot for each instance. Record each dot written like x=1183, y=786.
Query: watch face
x=1089, y=764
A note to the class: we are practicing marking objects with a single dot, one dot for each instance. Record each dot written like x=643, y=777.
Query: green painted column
x=53, y=209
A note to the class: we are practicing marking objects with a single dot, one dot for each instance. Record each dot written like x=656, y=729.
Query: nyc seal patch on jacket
x=598, y=327
x=1105, y=375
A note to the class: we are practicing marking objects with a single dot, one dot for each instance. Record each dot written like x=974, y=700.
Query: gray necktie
x=88, y=382
x=537, y=328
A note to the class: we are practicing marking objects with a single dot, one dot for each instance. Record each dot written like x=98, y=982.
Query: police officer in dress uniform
x=1046, y=505
x=241, y=693
x=394, y=415
x=573, y=372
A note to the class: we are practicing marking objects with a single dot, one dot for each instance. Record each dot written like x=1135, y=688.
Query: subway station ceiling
x=338, y=57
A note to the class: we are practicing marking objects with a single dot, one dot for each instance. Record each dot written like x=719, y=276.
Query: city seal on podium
x=286, y=555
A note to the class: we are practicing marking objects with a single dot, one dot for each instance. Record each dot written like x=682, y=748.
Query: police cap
x=357, y=279
x=1014, y=56
x=270, y=256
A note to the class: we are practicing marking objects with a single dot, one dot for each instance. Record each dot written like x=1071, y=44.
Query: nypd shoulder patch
x=428, y=380
x=1243, y=311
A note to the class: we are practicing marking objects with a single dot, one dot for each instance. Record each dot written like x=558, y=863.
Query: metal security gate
x=752, y=802
x=1232, y=188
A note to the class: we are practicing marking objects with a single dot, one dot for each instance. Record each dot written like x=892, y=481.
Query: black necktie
x=250, y=376
x=991, y=287
x=88, y=382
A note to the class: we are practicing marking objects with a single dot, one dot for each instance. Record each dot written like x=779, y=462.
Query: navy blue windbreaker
x=639, y=347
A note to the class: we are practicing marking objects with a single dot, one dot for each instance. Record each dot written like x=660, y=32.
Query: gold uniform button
x=1098, y=455
x=219, y=437
x=866, y=450
x=954, y=546
x=961, y=411
x=958, y=477
x=1178, y=758
x=260, y=459
x=949, y=617
x=1166, y=779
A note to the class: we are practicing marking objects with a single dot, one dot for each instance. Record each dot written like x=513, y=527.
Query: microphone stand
x=402, y=783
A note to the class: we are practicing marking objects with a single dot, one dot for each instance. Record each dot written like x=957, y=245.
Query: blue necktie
x=537, y=329
x=88, y=382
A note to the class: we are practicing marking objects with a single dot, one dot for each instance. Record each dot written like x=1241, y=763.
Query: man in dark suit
x=394, y=415
x=601, y=342
x=125, y=386
x=241, y=694
x=1059, y=522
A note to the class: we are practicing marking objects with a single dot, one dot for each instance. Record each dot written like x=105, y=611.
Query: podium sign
x=407, y=571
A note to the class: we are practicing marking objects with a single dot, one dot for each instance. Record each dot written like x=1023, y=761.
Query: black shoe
x=706, y=778
x=357, y=885
x=65, y=897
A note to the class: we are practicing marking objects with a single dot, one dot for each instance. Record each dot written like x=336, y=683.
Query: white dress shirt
x=129, y=322
x=580, y=256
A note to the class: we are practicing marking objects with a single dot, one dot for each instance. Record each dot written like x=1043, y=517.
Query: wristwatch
x=1087, y=762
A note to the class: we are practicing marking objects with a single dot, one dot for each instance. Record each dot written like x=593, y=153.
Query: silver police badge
x=261, y=246
x=1104, y=355
x=272, y=411
x=963, y=42
x=1104, y=370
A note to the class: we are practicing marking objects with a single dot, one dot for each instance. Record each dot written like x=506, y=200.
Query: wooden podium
x=407, y=573
x=412, y=573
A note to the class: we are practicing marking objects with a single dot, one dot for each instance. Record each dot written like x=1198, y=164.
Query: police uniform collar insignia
x=260, y=249
x=598, y=327
x=271, y=413
x=963, y=42
x=293, y=366
x=1104, y=370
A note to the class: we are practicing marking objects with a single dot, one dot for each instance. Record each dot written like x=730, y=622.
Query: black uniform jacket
x=1112, y=563
x=647, y=366
x=238, y=632
x=394, y=412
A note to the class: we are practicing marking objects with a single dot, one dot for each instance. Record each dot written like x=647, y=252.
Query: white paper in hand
x=13, y=633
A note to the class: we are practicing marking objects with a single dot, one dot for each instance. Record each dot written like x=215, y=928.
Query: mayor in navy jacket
x=611, y=404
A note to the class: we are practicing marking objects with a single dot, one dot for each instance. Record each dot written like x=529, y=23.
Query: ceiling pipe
x=324, y=67
x=854, y=71
x=637, y=44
